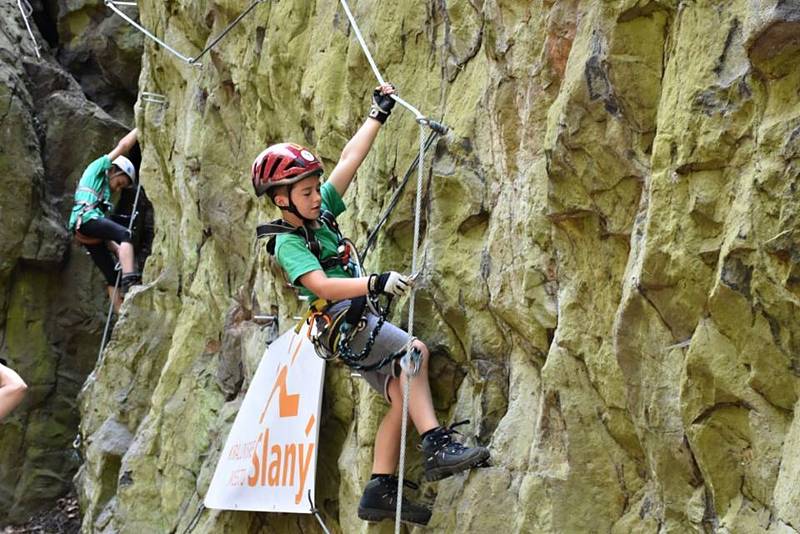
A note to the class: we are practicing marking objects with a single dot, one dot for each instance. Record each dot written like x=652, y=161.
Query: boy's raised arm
x=125, y=145
x=357, y=148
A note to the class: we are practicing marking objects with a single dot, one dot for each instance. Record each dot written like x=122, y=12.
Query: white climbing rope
x=409, y=367
x=407, y=364
x=134, y=213
x=422, y=119
x=190, y=60
x=27, y=11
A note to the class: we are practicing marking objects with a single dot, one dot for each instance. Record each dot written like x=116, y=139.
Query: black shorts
x=107, y=230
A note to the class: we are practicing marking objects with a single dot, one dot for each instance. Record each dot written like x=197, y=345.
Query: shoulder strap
x=273, y=228
x=329, y=220
x=277, y=227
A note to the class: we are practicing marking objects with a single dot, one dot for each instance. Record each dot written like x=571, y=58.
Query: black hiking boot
x=129, y=280
x=445, y=457
x=379, y=502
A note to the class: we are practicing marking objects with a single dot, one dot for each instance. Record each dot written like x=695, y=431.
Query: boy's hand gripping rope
x=418, y=116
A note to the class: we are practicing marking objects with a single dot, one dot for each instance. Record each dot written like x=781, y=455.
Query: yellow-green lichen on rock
x=611, y=266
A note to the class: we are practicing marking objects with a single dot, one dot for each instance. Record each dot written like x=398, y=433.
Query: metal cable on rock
x=145, y=31
x=373, y=234
x=411, y=301
x=317, y=515
x=224, y=32
x=420, y=118
x=190, y=60
x=27, y=11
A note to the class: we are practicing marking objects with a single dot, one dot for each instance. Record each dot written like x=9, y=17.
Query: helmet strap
x=292, y=208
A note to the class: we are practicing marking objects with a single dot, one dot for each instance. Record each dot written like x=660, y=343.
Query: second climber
x=106, y=240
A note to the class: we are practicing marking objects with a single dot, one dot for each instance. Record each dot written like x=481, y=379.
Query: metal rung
x=265, y=319
x=297, y=318
x=154, y=98
x=302, y=298
x=355, y=375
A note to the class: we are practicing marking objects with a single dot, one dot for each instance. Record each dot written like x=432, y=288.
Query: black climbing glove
x=389, y=283
x=381, y=106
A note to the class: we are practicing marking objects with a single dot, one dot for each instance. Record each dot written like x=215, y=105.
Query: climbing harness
x=86, y=207
x=112, y=4
x=317, y=514
x=27, y=12
x=134, y=214
x=334, y=334
x=410, y=361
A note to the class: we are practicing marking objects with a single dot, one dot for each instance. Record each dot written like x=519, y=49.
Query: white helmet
x=126, y=166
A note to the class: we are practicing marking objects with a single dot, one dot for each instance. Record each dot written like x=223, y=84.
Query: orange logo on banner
x=287, y=404
x=273, y=464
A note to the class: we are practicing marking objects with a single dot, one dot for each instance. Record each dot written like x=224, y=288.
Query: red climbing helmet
x=283, y=164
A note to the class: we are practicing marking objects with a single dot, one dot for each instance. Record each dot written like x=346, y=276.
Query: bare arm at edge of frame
x=12, y=390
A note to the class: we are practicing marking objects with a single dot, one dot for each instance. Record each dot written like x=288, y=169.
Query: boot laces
x=443, y=441
x=390, y=485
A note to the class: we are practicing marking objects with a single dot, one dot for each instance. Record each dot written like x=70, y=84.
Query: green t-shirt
x=92, y=187
x=295, y=258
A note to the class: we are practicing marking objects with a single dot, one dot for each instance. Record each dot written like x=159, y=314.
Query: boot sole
x=438, y=473
x=376, y=515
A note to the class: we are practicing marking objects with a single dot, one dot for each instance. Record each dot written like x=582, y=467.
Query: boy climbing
x=309, y=248
x=102, y=237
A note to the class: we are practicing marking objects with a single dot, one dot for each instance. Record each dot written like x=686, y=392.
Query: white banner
x=270, y=458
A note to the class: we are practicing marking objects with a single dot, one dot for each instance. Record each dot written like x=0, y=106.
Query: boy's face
x=306, y=197
x=117, y=179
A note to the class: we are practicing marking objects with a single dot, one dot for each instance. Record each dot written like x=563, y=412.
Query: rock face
x=611, y=266
x=101, y=51
x=52, y=303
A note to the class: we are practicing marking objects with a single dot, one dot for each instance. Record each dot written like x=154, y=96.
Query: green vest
x=93, y=194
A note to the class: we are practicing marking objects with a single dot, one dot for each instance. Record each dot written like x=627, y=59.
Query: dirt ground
x=63, y=518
